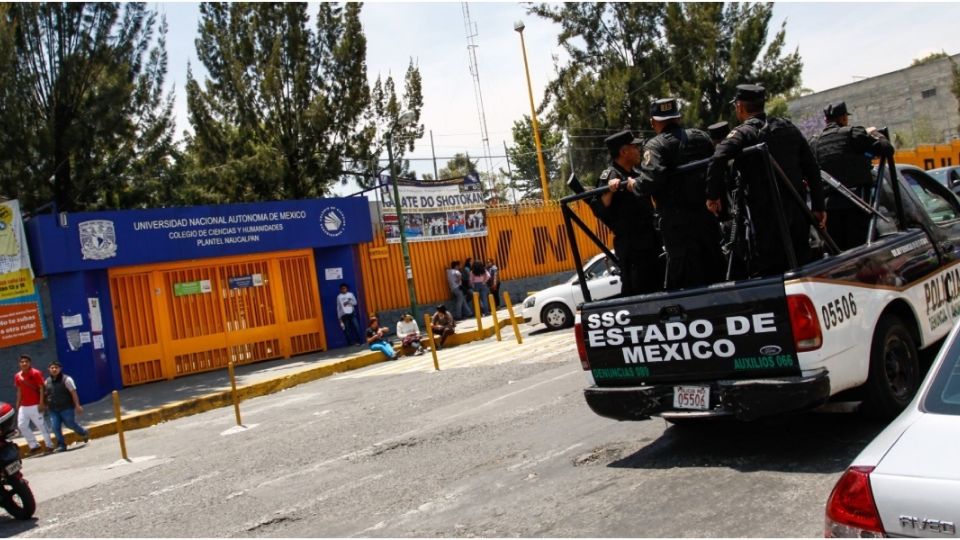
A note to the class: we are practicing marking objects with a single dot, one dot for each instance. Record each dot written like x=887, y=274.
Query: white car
x=556, y=305
x=906, y=482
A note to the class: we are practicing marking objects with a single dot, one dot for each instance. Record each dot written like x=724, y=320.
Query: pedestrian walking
x=347, y=313
x=63, y=405
x=443, y=325
x=30, y=404
x=375, y=334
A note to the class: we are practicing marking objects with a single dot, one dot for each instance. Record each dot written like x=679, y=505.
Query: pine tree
x=285, y=109
x=83, y=117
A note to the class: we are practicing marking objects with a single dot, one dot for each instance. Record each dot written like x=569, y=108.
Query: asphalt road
x=498, y=443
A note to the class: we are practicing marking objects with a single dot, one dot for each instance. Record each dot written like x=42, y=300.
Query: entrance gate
x=173, y=319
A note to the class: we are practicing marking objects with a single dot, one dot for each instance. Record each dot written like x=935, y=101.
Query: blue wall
x=75, y=250
x=345, y=258
x=96, y=371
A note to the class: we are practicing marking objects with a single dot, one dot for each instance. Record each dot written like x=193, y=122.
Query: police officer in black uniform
x=635, y=239
x=791, y=151
x=845, y=152
x=691, y=234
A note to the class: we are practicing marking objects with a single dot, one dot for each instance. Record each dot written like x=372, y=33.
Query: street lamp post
x=404, y=119
x=519, y=26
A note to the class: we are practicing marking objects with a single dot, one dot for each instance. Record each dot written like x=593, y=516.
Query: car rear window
x=943, y=397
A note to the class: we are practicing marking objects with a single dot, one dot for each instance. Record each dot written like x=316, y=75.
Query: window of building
x=928, y=93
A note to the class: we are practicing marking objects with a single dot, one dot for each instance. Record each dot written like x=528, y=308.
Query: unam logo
x=98, y=239
x=332, y=221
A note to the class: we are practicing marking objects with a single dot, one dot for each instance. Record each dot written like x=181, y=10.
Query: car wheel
x=894, y=376
x=556, y=316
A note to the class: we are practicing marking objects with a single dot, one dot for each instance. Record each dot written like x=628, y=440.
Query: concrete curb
x=224, y=398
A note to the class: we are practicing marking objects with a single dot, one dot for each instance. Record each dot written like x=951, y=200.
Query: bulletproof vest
x=783, y=144
x=58, y=396
x=836, y=155
x=690, y=145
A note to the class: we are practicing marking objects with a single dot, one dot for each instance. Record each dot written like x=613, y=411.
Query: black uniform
x=792, y=152
x=845, y=152
x=635, y=239
x=691, y=234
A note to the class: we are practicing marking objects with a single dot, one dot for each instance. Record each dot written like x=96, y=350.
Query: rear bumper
x=743, y=399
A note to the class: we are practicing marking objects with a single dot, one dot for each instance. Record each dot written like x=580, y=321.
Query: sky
x=838, y=42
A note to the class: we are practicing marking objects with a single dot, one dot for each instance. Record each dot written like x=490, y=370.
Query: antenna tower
x=471, y=29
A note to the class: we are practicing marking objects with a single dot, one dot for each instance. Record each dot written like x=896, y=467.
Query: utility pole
x=436, y=176
x=519, y=26
x=471, y=29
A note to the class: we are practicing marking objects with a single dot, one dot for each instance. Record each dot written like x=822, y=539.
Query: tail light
x=581, y=346
x=851, y=510
x=803, y=319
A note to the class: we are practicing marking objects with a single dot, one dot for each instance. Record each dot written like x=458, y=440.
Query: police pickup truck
x=758, y=347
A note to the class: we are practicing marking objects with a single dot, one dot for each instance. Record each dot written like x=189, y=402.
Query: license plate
x=12, y=468
x=691, y=397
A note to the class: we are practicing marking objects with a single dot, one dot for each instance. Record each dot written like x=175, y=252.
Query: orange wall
x=525, y=241
x=931, y=156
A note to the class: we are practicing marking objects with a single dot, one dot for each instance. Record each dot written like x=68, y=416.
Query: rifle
x=856, y=200
x=739, y=245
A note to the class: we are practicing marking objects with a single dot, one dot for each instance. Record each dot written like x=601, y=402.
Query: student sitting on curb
x=443, y=325
x=408, y=330
x=375, y=334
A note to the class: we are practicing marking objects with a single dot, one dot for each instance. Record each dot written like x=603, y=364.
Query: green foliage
x=286, y=109
x=625, y=55
x=83, y=117
x=382, y=117
x=524, y=170
x=929, y=58
x=458, y=167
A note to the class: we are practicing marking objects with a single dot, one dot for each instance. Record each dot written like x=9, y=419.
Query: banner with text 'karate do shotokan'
x=20, y=317
x=435, y=210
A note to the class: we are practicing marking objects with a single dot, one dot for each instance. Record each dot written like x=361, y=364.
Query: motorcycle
x=15, y=495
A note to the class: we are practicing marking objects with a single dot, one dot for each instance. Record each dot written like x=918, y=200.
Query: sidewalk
x=148, y=404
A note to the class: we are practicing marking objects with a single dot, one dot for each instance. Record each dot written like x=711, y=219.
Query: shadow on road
x=810, y=442
x=10, y=527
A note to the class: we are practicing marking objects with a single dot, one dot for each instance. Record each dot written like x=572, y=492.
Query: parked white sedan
x=906, y=482
x=556, y=305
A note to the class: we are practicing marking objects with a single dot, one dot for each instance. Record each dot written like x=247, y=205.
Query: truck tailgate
x=734, y=331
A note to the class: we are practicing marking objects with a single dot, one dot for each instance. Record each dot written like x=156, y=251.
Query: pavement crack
x=602, y=454
x=269, y=522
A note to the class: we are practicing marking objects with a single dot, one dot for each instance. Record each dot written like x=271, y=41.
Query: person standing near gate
x=31, y=404
x=455, y=282
x=845, y=152
x=63, y=404
x=347, y=313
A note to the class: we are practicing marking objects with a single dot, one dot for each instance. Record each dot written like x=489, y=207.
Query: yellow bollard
x=116, y=412
x=493, y=312
x=513, y=320
x=433, y=340
x=233, y=392
x=478, y=313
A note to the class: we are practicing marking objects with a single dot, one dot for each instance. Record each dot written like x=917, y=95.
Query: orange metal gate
x=174, y=319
